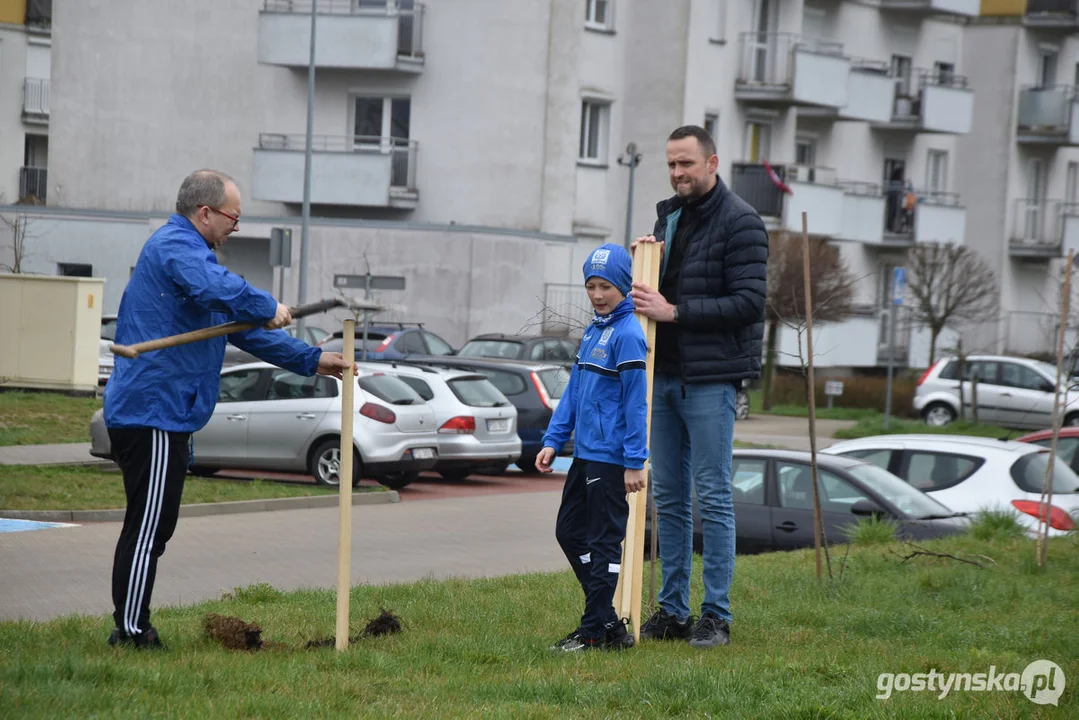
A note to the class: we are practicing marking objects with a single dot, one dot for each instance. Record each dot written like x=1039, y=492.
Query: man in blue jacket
x=709, y=310
x=155, y=402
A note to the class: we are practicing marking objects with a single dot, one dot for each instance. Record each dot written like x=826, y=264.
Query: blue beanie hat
x=613, y=264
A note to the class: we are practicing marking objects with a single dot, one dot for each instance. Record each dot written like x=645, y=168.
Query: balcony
x=789, y=69
x=955, y=8
x=863, y=208
x=814, y=190
x=1052, y=14
x=1037, y=229
x=870, y=91
x=35, y=101
x=349, y=35
x=938, y=103
x=33, y=185
x=1047, y=115
x=345, y=170
x=936, y=217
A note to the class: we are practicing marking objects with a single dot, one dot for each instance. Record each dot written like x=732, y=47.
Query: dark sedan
x=773, y=501
x=537, y=348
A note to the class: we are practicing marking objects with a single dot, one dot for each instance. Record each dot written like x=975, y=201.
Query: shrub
x=858, y=392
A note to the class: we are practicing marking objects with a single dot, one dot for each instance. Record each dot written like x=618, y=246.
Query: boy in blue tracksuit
x=605, y=406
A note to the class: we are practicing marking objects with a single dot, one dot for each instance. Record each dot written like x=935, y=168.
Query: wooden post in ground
x=811, y=393
x=1041, y=547
x=627, y=594
x=344, y=477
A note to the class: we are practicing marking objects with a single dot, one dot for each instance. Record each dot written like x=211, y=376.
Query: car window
x=374, y=342
x=507, y=383
x=240, y=386
x=569, y=350
x=882, y=458
x=477, y=392
x=286, y=385
x=436, y=345
x=986, y=370
x=1066, y=447
x=315, y=335
x=389, y=389
x=747, y=480
x=108, y=329
x=930, y=471
x=419, y=385
x=411, y=343
x=909, y=500
x=1020, y=376
x=950, y=371
x=491, y=348
x=539, y=351
x=1028, y=472
x=796, y=489
x=554, y=381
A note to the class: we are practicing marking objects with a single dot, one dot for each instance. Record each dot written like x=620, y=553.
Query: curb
x=382, y=497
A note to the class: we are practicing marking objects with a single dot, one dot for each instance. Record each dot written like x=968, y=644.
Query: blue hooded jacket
x=178, y=286
x=605, y=403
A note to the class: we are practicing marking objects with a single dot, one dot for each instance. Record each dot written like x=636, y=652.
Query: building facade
x=25, y=71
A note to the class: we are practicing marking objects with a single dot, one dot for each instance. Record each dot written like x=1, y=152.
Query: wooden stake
x=1041, y=547
x=627, y=594
x=344, y=477
x=812, y=393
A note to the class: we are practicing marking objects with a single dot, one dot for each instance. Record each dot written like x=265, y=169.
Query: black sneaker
x=572, y=636
x=710, y=631
x=580, y=644
x=119, y=637
x=664, y=626
x=617, y=637
x=146, y=640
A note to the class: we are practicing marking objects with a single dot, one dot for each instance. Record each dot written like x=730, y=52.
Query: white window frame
x=764, y=140
x=936, y=171
x=385, y=143
x=590, y=22
x=810, y=141
x=594, y=110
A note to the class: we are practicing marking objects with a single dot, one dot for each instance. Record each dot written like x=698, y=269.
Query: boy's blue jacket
x=178, y=286
x=606, y=403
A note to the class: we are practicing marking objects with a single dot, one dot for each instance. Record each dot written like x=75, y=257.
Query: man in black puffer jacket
x=710, y=325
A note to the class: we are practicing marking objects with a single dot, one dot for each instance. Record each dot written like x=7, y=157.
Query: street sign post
x=832, y=389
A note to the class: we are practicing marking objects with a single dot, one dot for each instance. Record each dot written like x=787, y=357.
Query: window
x=880, y=458
x=554, y=381
x=389, y=388
x=422, y=389
x=758, y=141
x=381, y=117
x=595, y=118
x=538, y=351
x=1047, y=69
x=285, y=385
x=943, y=73
x=1020, y=376
x=805, y=150
x=929, y=471
x=720, y=34
x=240, y=386
x=598, y=15
x=887, y=283
x=1070, y=184
x=1066, y=447
x=436, y=345
x=410, y=343
x=796, y=489
x=936, y=172
x=74, y=269
x=901, y=69
x=477, y=392
x=985, y=371
x=507, y=383
x=747, y=480
x=711, y=124
x=1028, y=472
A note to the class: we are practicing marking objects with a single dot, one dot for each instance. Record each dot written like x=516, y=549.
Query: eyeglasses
x=234, y=218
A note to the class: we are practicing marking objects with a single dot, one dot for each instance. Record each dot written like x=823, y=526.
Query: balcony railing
x=402, y=151
x=33, y=185
x=1062, y=9
x=751, y=182
x=766, y=57
x=409, y=17
x=35, y=99
x=1045, y=112
x=900, y=207
x=1036, y=224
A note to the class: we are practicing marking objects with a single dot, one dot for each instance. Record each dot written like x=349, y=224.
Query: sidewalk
x=62, y=454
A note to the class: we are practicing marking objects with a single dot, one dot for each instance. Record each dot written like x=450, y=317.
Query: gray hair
x=202, y=187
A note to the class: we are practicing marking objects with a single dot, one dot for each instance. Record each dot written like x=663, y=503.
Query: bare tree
x=17, y=229
x=831, y=292
x=949, y=283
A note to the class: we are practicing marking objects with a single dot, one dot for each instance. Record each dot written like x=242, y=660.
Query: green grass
x=801, y=648
x=29, y=487
x=874, y=425
x=40, y=418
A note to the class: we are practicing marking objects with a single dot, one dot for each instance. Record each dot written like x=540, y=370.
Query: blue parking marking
x=8, y=525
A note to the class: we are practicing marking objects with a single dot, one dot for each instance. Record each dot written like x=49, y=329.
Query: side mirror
x=867, y=508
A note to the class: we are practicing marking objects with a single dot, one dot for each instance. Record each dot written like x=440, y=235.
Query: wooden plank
x=344, y=476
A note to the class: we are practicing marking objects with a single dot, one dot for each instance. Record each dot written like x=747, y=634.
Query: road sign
x=899, y=285
x=280, y=247
x=833, y=388
x=378, y=282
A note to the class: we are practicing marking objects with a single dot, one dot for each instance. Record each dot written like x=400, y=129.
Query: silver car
x=273, y=419
x=1011, y=391
x=477, y=425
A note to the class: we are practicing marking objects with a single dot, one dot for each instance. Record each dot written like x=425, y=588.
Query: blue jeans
x=691, y=445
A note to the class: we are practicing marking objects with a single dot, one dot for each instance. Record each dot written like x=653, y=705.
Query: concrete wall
x=12, y=73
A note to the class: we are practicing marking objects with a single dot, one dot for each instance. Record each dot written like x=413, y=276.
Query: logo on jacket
x=605, y=336
x=599, y=353
x=599, y=259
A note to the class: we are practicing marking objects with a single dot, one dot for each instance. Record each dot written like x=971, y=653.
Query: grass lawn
x=801, y=648
x=874, y=425
x=30, y=487
x=41, y=418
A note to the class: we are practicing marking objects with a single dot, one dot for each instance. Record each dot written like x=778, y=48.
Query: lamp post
x=632, y=158
x=306, y=212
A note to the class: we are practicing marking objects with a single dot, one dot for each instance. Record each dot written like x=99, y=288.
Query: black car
x=537, y=348
x=534, y=388
x=773, y=501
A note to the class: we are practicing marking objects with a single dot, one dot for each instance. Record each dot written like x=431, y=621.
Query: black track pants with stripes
x=154, y=464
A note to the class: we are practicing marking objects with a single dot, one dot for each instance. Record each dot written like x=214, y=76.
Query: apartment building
x=1021, y=160
x=25, y=70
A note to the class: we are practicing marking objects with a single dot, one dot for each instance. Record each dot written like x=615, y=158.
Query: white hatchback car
x=969, y=474
x=477, y=425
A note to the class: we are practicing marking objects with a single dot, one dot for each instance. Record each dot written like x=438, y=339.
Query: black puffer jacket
x=721, y=293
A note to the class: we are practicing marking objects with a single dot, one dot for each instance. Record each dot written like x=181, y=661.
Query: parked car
x=970, y=474
x=105, y=359
x=477, y=425
x=1012, y=392
x=1067, y=444
x=393, y=342
x=273, y=419
x=534, y=389
x=773, y=501
x=556, y=351
x=311, y=335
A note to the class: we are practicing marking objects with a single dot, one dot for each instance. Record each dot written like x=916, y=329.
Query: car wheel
x=938, y=415
x=741, y=405
x=200, y=471
x=457, y=474
x=325, y=464
x=398, y=480
x=526, y=463
x=494, y=470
